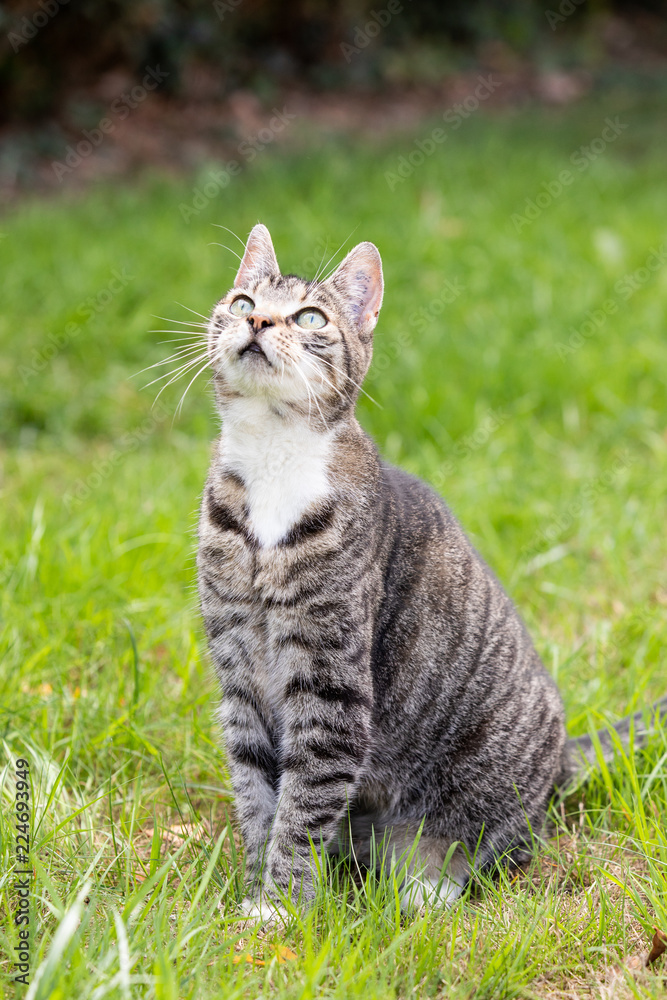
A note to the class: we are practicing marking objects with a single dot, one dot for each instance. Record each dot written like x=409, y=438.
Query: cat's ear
x=359, y=279
x=259, y=260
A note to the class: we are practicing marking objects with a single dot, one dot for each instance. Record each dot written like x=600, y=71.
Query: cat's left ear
x=359, y=280
x=259, y=260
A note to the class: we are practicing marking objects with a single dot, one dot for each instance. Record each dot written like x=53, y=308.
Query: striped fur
x=377, y=680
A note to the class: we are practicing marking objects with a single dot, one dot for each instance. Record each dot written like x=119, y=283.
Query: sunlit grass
x=556, y=464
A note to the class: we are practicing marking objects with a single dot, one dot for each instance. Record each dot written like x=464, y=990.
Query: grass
x=554, y=459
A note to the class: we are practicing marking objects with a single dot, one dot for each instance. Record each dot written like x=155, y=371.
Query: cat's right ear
x=259, y=260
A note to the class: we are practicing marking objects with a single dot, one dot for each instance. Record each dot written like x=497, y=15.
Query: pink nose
x=259, y=321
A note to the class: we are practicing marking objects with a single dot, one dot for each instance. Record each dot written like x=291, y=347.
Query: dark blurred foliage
x=50, y=47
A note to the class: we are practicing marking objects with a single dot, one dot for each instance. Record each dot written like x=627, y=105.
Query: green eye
x=311, y=319
x=242, y=306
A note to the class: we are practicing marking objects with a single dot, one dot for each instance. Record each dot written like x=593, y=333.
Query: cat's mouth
x=253, y=348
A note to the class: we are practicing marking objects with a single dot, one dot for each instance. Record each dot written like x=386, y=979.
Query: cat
x=378, y=684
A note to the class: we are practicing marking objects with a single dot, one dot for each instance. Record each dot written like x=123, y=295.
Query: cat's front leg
x=326, y=736
x=253, y=767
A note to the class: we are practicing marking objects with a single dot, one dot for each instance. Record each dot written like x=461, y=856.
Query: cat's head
x=304, y=346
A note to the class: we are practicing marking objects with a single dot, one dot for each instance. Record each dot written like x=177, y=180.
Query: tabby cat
x=378, y=683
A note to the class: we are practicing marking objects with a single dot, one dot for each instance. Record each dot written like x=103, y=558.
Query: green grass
x=557, y=466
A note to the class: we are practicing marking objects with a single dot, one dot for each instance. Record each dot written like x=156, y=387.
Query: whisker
x=182, y=399
x=181, y=322
x=327, y=276
x=323, y=376
x=231, y=232
x=184, y=334
x=225, y=247
x=314, y=395
x=196, y=345
x=345, y=375
x=333, y=256
x=175, y=379
x=189, y=346
x=319, y=374
x=319, y=266
x=296, y=367
x=177, y=372
x=185, y=344
x=182, y=354
x=194, y=311
x=179, y=340
x=317, y=404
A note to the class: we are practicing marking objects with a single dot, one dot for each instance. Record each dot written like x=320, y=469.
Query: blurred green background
x=519, y=362
x=519, y=366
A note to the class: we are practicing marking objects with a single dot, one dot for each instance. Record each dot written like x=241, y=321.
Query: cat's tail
x=581, y=753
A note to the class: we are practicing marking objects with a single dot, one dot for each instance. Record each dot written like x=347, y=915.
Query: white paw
x=264, y=910
x=422, y=891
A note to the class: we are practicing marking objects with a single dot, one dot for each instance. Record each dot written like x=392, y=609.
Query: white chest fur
x=283, y=463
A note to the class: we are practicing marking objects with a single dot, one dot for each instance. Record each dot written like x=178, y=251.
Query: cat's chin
x=252, y=353
x=254, y=378
x=252, y=374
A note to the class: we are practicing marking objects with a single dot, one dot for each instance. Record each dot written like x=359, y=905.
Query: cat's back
x=446, y=626
x=462, y=699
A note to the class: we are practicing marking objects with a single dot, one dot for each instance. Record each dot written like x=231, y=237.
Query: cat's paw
x=263, y=910
x=422, y=892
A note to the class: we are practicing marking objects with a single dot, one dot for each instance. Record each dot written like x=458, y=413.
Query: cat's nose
x=259, y=321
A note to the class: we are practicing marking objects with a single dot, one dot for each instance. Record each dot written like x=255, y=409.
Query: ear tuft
x=359, y=279
x=259, y=260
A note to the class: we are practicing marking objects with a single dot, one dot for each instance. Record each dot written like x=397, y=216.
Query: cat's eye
x=242, y=306
x=311, y=319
